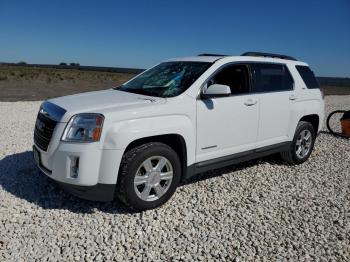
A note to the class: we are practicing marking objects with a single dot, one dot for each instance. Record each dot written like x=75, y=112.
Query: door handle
x=292, y=97
x=250, y=102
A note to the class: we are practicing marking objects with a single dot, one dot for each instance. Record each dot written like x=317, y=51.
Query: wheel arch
x=175, y=141
x=313, y=119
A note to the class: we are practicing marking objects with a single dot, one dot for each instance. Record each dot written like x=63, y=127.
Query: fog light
x=74, y=167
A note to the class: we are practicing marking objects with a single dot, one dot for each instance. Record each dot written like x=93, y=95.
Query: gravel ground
x=259, y=210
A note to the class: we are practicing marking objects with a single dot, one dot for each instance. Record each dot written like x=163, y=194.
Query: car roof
x=227, y=59
x=210, y=59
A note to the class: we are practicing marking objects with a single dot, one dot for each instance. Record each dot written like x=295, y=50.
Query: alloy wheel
x=153, y=178
x=303, y=144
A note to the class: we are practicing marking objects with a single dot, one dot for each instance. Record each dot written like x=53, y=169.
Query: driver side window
x=234, y=76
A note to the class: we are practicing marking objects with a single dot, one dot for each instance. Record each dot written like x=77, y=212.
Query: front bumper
x=98, y=192
x=98, y=169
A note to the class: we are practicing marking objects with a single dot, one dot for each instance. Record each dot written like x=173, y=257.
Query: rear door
x=275, y=87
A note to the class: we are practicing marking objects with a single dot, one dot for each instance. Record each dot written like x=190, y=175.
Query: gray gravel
x=260, y=210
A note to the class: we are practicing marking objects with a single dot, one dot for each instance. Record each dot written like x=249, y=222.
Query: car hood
x=102, y=101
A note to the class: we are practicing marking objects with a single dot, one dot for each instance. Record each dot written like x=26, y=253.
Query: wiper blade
x=139, y=91
x=117, y=87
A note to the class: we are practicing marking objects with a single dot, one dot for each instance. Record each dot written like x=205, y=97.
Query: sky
x=139, y=34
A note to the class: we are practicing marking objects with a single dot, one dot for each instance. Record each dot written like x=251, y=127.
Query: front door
x=227, y=125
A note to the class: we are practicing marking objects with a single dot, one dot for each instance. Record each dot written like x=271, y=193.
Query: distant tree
x=63, y=64
x=74, y=64
x=21, y=63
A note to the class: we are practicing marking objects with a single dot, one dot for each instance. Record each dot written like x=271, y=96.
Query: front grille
x=43, y=131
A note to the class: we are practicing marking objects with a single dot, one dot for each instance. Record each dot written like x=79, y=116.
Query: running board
x=236, y=158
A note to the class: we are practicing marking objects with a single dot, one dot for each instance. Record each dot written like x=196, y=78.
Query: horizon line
x=69, y=66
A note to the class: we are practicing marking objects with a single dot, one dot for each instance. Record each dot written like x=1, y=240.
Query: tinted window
x=234, y=76
x=308, y=77
x=271, y=78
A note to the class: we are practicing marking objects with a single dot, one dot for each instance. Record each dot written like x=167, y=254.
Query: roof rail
x=268, y=55
x=211, y=55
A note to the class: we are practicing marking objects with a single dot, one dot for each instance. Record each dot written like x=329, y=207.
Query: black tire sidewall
x=133, y=164
x=301, y=127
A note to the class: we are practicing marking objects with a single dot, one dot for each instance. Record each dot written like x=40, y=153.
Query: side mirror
x=216, y=90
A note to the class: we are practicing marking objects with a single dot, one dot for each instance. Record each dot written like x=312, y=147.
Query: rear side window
x=271, y=78
x=308, y=77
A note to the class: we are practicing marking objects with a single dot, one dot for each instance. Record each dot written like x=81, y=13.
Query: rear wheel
x=148, y=176
x=302, y=144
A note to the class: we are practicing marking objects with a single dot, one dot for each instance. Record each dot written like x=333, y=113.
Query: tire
x=133, y=171
x=294, y=156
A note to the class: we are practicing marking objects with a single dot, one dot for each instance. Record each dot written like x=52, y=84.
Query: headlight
x=84, y=128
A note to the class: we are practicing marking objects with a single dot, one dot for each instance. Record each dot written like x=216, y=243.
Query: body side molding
x=236, y=158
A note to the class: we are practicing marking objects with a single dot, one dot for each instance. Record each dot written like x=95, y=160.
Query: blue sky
x=143, y=33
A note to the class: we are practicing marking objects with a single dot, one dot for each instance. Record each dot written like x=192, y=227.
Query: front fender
x=120, y=134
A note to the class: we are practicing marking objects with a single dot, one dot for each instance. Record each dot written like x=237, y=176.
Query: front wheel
x=302, y=144
x=148, y=176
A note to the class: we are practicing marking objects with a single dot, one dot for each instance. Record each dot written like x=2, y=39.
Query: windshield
x=166, y=79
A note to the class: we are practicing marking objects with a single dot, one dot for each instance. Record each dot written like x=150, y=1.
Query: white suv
x=179, y=118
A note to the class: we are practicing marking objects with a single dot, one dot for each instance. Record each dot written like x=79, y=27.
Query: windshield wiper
x=140, y=91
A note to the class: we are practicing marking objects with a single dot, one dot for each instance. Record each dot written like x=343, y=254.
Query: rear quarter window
x=271, y=78
x=308, y=77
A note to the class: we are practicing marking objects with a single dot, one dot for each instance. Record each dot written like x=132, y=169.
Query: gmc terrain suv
x=177, y=119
